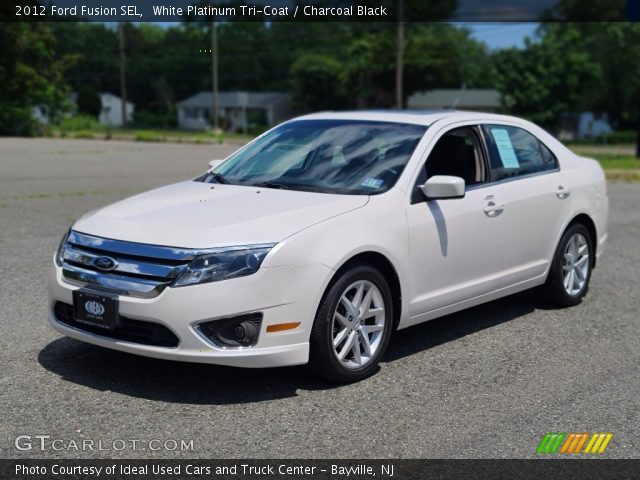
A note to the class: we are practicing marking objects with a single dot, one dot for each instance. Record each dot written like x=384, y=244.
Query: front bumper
x=283, y=294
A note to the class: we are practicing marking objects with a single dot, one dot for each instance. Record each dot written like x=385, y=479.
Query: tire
x=561, y=289
x=362, y=330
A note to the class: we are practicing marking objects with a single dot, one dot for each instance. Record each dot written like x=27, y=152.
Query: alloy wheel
x=358, y=324
x=575, y=264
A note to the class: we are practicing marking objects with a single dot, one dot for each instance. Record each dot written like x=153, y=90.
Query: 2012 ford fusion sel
x=318, y=239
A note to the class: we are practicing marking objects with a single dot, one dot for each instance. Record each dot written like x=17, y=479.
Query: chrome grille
x=139, y=270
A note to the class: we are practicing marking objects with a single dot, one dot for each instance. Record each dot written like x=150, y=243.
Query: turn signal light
x=280, y=327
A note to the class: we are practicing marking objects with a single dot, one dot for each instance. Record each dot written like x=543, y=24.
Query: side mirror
x=443, y=187
x=214, y=163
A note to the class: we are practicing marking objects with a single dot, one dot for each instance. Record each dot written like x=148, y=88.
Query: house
x=584, y=125
x=40, y=114
x=239, y=110
x=477, y=99
x=592, y=126
x=111, y=112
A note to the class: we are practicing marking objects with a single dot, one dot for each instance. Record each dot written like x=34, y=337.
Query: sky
x=495, y=35
x=501, y=35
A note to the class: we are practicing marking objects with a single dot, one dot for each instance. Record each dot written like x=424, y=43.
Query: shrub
x=84, y=134
x=79, y=123
x=147, y=136
x=615, y=138
x=89, y=102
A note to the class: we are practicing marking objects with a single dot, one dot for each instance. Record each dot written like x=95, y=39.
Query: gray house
x=238, y=109
x=484, y=100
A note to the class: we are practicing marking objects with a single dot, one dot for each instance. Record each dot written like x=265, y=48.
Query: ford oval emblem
x=105, y=263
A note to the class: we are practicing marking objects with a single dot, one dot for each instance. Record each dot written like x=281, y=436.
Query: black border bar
x=569, y=469
x=319, y=10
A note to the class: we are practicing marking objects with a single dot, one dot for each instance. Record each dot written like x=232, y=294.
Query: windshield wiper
x=218, y=177
x=275, y=185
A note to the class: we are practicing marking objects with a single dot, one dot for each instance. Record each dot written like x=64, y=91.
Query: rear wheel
x=568, y=280
x=352, y=326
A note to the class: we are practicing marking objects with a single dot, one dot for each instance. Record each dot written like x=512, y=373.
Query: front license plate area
x=95, y=309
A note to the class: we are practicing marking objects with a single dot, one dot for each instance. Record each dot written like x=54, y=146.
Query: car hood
x=200, y=215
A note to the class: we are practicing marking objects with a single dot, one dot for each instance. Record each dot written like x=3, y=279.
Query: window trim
x=416, y=195
x=483, y=129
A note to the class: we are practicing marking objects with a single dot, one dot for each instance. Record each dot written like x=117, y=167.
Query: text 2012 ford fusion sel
x=323, y=235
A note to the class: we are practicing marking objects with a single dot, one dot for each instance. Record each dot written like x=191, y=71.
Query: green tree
x=31, y=75
x=547, y=78
x=93, y=48
x=614, y=47
x=575, y=67
x=89, y=102
x=316, y=83
x=441, y=55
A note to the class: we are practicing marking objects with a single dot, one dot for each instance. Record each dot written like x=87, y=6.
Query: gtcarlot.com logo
x=573, y=443
x=45, y=442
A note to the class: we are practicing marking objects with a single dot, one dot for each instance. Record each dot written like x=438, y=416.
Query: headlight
x=60, y=251
x=223, y=265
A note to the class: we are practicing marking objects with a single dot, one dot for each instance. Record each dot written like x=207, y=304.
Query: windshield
x=329, y=156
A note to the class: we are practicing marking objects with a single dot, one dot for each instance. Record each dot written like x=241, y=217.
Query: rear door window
x=514, y=152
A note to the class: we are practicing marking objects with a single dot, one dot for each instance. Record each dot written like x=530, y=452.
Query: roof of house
x=104, y=95
x=450, y=98
x=233, y=99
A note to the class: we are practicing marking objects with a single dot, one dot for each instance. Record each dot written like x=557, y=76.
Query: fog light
x=240, y=331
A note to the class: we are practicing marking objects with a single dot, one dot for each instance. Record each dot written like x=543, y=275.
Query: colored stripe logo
x=572, y=443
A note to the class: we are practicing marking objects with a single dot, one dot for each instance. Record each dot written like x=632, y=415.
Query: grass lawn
x=91, y=130
x=617, y=166
x=617, y=162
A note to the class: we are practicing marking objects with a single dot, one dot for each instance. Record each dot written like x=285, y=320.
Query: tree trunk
x=215, y=104
x=400, y=57
x=123, y=74
x=638, y=139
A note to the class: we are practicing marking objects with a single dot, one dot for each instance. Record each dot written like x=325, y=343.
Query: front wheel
x=352, y=326
x=570, y=272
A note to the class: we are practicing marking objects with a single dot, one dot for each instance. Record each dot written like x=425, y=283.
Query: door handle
x=562, y=193
x=493, y=209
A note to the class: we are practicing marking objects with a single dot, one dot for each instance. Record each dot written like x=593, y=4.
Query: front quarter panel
x=380, y=227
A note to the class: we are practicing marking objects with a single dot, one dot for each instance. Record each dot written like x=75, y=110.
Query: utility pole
x=214, y=75
x=123, y=74
x=400, y=56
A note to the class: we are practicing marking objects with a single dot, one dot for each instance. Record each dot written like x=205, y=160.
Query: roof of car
x=420, y=117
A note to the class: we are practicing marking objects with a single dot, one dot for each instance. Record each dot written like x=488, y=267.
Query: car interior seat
x=452, y=156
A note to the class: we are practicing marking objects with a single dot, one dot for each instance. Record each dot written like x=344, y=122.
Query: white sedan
x=318, y=239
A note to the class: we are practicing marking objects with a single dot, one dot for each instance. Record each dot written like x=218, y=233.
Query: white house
x=41, y=114
x=584, y=125
x=591, y=126
x=111, y=112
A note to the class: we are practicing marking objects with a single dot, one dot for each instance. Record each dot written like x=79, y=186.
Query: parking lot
x=487, y=382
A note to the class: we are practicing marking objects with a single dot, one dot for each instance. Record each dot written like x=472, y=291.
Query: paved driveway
x=487, y=382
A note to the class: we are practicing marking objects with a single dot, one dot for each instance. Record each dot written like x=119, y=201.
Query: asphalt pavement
x=488, y=382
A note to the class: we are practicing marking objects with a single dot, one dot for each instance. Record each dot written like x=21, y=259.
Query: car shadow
x=170, y=381
x=460, y=324
x=191, y=383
